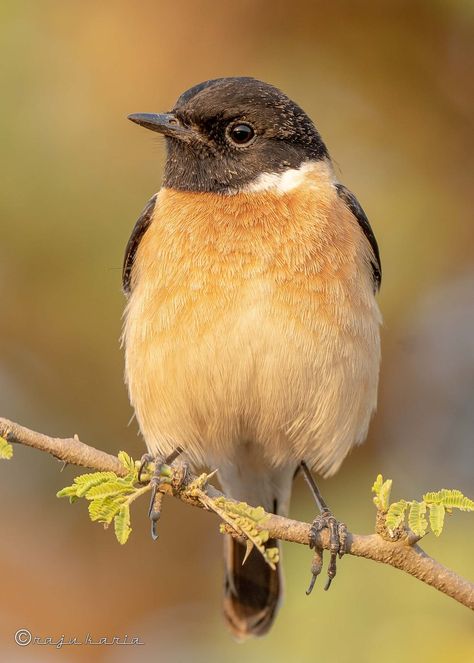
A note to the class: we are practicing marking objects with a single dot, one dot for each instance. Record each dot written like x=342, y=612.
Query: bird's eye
x=241, y=134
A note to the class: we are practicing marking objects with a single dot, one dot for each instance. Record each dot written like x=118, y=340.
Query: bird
x=251, y=328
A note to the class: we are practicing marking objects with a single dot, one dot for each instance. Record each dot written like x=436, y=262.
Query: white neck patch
x=279, y=182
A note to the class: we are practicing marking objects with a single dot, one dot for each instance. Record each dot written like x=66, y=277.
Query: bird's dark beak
x=164, y=123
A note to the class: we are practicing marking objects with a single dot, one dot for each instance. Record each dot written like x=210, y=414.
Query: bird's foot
x=145, y=460
x=337, y=534
x=161, y=474
x=337, y=546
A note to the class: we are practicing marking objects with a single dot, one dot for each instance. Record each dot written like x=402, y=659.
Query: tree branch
x=402, y=554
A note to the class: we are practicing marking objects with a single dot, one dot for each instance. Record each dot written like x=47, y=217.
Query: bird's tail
x=252, y=590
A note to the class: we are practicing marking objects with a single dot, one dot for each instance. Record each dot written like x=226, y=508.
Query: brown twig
x=401, y=554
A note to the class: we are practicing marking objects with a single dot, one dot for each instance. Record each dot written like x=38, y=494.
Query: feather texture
x=253, y=318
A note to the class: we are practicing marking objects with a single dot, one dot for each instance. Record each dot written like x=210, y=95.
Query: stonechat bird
x=251, y=329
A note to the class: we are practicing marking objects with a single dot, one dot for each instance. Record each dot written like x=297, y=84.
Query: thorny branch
x=402, y=553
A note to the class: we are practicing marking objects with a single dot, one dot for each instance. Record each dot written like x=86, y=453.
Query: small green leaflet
x=105, y=509
x=6, y=449
x=395, y=515
x=450, y=499
x=437, y=512
x=127, y=462
x=122, y=524
x=382, y=491
x=416, y=518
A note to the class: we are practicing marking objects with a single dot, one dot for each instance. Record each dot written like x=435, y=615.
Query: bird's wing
x=138, y=231
x=353, y=204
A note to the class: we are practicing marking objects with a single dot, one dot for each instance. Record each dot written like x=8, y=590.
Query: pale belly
x=292, y=373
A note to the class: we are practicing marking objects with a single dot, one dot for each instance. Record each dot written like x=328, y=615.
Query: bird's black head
x=223, y=134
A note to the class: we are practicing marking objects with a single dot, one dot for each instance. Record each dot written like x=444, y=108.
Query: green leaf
x=273, y=555
x=109, y=495
x=6, y=449
x=382, y=491
x=83, y=483
x=69, y=491
x=395, y=515
x=127, y=462
x=416, y=518
x=377, y=484
x=122, y=524
x=437, y=512
x=86, y=481
x=106, y=508
x=450, y=499
x=438, y=502
x=108, y=489
x=246, y=520
x=432, y=498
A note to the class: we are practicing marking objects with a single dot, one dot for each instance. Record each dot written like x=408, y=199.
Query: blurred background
x=387, y=84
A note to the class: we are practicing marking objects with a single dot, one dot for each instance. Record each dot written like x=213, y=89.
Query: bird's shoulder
x=349, y=199
x=140, y=228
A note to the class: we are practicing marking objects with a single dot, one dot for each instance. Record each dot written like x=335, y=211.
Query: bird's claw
x=337, y=546
x=144, y=461
x=154, y=510
x=316, y=567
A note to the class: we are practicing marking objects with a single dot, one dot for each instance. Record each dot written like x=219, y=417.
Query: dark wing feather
x=353, y=204
x=139, y=230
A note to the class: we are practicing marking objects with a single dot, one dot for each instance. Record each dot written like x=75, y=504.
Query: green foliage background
x=388, y=85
